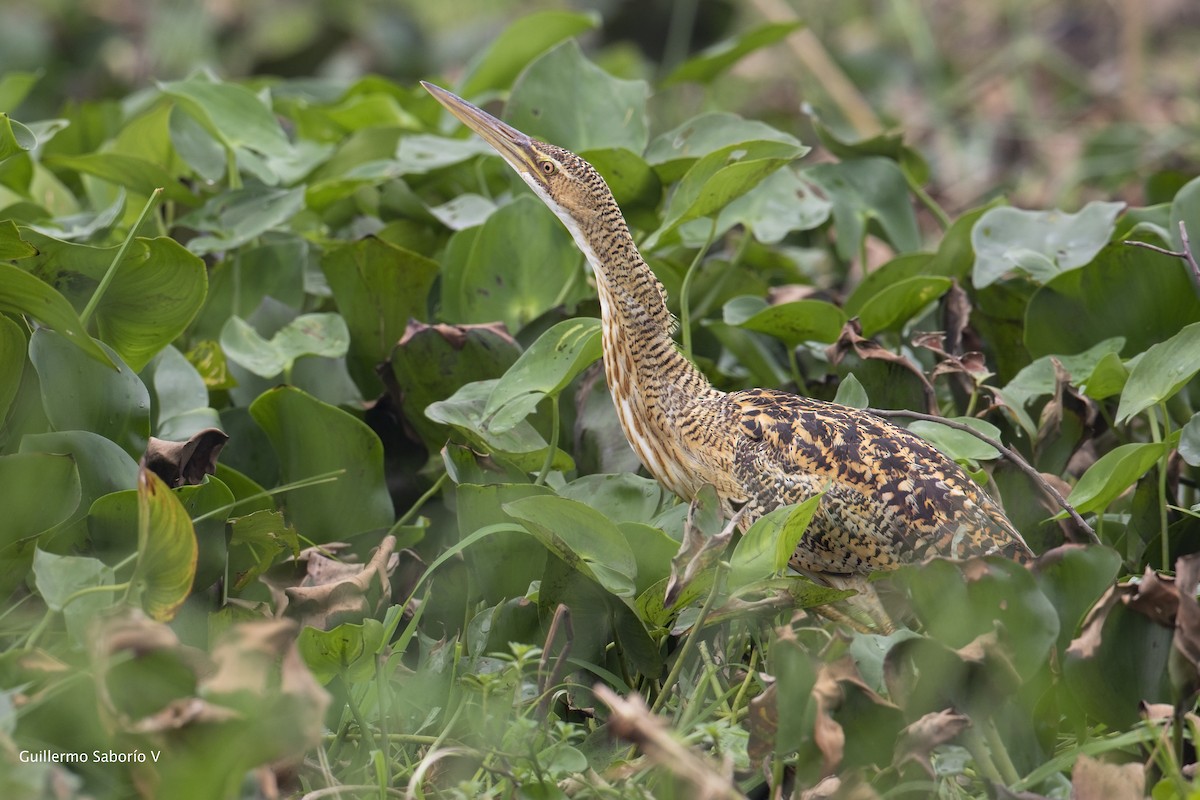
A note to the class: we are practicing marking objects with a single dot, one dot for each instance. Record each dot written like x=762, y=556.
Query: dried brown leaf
x=956, y=316
x=852, y=340
x=185, y=463
x=333, y=592
x=917, y=741
x=1093, y=779
x=762, y=723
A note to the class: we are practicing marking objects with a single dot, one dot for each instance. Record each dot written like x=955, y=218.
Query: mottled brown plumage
x=891, y=497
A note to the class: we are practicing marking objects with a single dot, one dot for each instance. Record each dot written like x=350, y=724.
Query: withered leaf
x=852, y=340
x=763, y=725
x=333, y=592
x=185, y=463
x=698, y=551
x=917, y=741
x=1093, y=779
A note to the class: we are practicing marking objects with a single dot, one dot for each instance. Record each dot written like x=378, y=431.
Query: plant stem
x=943, y=219
x=553, y=444
x=685, y=306
x=94, y=301
x=1000, y=752
x=690, y=642
x=1163, y=462
x=421, y=501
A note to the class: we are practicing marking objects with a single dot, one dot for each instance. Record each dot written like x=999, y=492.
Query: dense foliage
x=387, y=535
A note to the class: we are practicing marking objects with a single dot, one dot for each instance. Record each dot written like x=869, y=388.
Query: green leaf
x=713, y=61
x=673, y=153
x=959, y=445
x=324, y=335
x=58, y=578
x=379, y=287
x=167, y=551
x=1143, y=296
x=348, y=650
x=622, y=497
x=14, y=138
x=264, y=535
x=311, y=438
x=1041, y=244
x=103, y=467
x=1113, y=473
x=134, y=174
x=1185, y=208
x=1189, y=441
x=12, y=363
x=582, y=537
x=79, y=393
x=496, y=67
x=891, y=308
x=889, y=145
x=865, y=190
x=720, y=177
x=1161, y=372
x=238, y=216
x=782, y=203
x=514, y=268
x=754, y=556
x=793, y=529
x=850, y=392
x=12, y=246
x=1073, y=578
x=231, y=113
x=156, y=292
x=792, y=323
x=41, y=490
x=15, y=87
x=22, y=293
x=544, y=370
x=614, y=116
x=418, y=154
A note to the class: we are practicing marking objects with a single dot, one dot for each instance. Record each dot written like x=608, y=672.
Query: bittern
x=890, y=497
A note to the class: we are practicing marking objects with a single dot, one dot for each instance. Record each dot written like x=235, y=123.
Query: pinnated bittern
x=891, y=497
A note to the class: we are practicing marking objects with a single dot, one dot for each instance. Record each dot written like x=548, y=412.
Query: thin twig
x=1187, y=250
x=1014, y=457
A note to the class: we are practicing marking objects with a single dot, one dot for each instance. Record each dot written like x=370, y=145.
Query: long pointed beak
x=509, y=142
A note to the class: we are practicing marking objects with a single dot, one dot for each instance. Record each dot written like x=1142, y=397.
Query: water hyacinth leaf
x=673, y=153
x=311, y=438
x=782, y=203
x=959, y=445
x=888, y=145
x=167, y=550
x=465, y=211
x=1041, y=244
x=1143, y=296
x=709, y=64
x=582, y=537
x=866, y=190
x=137, y=175
x=421, y=153
x=231, y=113
x=754, y=555
x=79, y=393
x=379, y=287
x=1162, y=371
x=59, y=578
x=544, y=370
x=891, y=308
x=1113, y=473
x=794, y=526
x=1189, y=441
x=323, y=334
x=238, y=216
x=15, y=86
x=12, y=362
x=157, y=290
x=22, y=293
x=42, y=490
x=12, y=246
x=1074, y=578
x=792, y=323
x=615, y=115
x=517, y=45
x=14, y=138
x=348, y=650
x=1185, y=208
x=851, y=393
x=513, y=268
x=103, y=467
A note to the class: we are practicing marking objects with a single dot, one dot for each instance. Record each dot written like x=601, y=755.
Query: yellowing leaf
x=167, y=549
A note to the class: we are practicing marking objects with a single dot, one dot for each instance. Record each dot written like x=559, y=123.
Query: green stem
x=94, y=301
x=692, y=638
x=421, y=501
x=943, y=219
x=1000, y=753
x=553, y=448
x=1163, y=461
x=685, y=306
x=367, y=733
x=979, y=751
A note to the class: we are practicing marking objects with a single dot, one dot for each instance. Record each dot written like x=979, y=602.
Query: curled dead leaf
x=332, y=592
x=185, y=463
x=852, y=340
x=918, y=740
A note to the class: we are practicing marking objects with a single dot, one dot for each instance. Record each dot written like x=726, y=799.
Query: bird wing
x=890, y=496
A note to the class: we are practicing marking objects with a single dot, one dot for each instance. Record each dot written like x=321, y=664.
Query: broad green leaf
x=544, y=370
x=1107, y=378
x=84, y=225
x=1185, y=208
x=131, y=172
x=79, y=393
x=622, y=497
x=58, y=579
x=322, y=335
x=1073, y=578
x=521, y=444
x=754, y=555
x=14, y=138
x=432, y=362
x=792, y=323
x=465, y=211
x=231, y=113
x=1145, y=297
x=41, y=490
x=103, y=467
x=1041, y=244
x=209, y=502
x=1037, y=379
x=238, y=216
x=652, y=549
x=176, y=386
x=851, y=393
x=880, y=280
x=167, y=552
x=795, y=671
x=15, y=87
x=513, y=268
x=378, y=287
x=782, y=203
x=1113, y=473
x=496, y=67
x=891, y=308
x=959, y=445
x=312, y=438
x=1189, y=441
x=614, y=116
x=264, y=535
x=156, y=292
x=865, y=190
x=673, y=153
x=12, y=363
x=710, y=63
x=22, y=293
x=721, y=177
x=12, y=246
x=1161, y=372
x=348, y=650
x=480, y=506
x=794, y=526
x=888, y=145
x=582, y=537
x=421, y=153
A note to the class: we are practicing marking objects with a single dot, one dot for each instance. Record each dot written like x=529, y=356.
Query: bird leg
x=864, y=612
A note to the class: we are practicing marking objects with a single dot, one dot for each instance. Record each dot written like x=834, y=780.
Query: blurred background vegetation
x=1051, y=102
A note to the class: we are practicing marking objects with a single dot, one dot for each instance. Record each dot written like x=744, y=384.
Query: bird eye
x=548, y=167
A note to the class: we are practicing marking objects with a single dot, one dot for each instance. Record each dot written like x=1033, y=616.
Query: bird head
x=563, y=180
